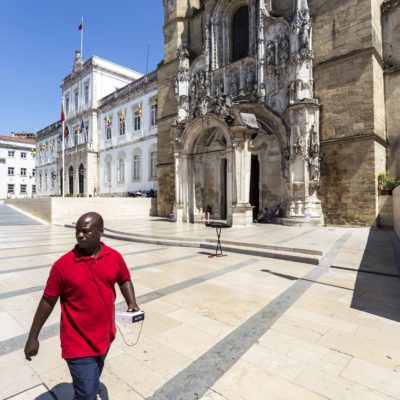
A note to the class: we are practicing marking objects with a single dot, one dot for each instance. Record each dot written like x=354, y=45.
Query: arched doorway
x=209, y=170
x=71, y=180
x=81, y=179
x=203, y=164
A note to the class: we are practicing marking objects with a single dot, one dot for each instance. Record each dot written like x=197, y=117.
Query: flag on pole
x=62, y=114
x=81, y=24
x=66, y=131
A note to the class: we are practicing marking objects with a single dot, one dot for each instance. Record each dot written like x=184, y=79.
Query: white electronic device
x=129, y=317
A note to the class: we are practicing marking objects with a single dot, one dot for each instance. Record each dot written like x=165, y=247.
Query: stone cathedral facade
x=265, y=102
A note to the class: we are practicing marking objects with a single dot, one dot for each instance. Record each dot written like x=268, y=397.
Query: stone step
x=259, y=252
x=226, y=242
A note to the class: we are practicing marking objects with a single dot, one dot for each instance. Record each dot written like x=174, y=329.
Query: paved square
x=235, y=327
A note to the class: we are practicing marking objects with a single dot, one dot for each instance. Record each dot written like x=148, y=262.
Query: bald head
x=95, y=218
x=89, y=229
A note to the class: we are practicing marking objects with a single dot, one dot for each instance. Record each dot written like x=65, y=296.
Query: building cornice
x=362, y=136
x=349, y=56
x=133, y=88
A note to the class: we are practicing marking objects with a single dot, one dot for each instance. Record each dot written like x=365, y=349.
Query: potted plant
x=386, y=184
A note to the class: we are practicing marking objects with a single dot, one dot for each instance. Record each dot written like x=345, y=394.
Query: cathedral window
x=240, y=34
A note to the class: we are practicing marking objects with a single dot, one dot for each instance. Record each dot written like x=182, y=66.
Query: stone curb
x=287, y=255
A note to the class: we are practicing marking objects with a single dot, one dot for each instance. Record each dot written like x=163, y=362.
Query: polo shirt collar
x=79, y=256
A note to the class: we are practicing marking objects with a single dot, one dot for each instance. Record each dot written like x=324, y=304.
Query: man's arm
x=43, y=311
x=128, y=292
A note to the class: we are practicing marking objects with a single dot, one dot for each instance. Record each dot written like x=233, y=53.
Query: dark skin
x=88, y=232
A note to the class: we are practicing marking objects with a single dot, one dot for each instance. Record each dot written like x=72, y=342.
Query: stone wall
x=391, y=34
x=385, y=219
x=342, y=27
x=60, y=211
x=348, y=186
x=396, y=210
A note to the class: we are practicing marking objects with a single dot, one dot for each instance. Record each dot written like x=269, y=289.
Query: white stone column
x=242, y=212
x=178, y=186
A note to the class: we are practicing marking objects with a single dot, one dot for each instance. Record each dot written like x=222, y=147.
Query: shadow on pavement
x=377, y=286
x=65, y=391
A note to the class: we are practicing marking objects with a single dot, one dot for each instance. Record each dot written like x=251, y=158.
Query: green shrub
x=385, y=181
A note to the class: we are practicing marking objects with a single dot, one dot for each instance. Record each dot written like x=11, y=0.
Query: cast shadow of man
x=65, y=391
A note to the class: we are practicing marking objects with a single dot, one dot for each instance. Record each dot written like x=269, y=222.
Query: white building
x=48, y=152
x=17, y=167
x=128, y=139
x=82, y=90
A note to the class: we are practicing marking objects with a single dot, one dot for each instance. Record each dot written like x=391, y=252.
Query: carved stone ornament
x=284, y=49
x=78, y=62
x=270, y=53
x=170, y=5
x=314, y=155
x=387, y=5
x=303, y=23
x=201, y=102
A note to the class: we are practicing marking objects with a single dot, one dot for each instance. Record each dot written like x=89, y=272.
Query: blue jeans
x=85, y=372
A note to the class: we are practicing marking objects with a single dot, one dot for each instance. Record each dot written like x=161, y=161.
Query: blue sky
x=37, y=43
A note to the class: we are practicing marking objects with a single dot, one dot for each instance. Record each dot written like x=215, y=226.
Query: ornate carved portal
x=273, y=83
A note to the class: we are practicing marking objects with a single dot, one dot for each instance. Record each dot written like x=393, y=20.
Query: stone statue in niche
x=315, y=172
x=305, y=31
x=250, y=81
x=270, y=53
x=234, y=86
x=297, y=140
x=284, y=49
x=313, y=155
x=221, y=86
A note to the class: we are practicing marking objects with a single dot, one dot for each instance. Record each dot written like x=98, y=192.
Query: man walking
x=84, y=280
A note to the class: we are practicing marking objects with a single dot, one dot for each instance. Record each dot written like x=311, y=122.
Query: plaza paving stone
x=228, y=328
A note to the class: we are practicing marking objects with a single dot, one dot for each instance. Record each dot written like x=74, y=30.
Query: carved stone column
x=178, y=184
x=242, y=211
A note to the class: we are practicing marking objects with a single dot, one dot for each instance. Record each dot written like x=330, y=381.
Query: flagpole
x=82, y=38
x=63, y=150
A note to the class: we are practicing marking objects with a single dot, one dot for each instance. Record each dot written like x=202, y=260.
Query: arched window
x=71, y=180
x=121, y=168
x=153, y=165
x=81, y=178
x=137, y=163
x=107, y=171
x=240, y=34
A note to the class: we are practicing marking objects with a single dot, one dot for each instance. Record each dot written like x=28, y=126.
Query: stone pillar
x=178, y=185
x=242, y=211
x=187, y=188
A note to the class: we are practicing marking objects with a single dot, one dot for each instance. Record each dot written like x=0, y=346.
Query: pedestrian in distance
x=84, y=280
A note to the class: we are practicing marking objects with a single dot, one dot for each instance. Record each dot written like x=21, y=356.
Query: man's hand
x=133, y=307
x=31, y=348
x=43, y=311
x=128, y=292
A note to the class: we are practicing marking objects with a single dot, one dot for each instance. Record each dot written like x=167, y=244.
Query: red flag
x=81, y=25
x=62, y=114
x=66, y=131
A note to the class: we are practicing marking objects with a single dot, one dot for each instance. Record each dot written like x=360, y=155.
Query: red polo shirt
x=86, y=287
